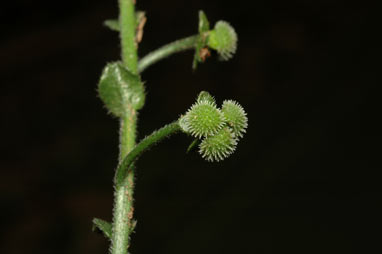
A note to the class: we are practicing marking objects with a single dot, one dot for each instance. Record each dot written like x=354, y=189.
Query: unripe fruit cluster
x=218, y=129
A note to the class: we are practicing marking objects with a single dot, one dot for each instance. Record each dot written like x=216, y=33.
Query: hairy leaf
x=104, y=226
x=120, y=90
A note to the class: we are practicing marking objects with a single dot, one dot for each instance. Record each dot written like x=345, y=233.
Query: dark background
x=305, y=179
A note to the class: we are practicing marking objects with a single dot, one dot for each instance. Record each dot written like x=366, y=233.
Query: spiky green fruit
x=219, y=146
x=236, y=117
x=202, y=119
x=223, y=39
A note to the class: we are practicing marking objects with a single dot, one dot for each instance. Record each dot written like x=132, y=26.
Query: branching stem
x=127, y=163
x=167, y=50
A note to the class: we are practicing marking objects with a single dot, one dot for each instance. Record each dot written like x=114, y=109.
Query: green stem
x=127, y=133
x=122, y=217
x=127, y=163
x=124, y=187
x=127, y=33
x=167, y=50
x=123, y=196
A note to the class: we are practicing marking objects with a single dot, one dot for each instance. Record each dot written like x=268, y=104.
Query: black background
x=305, y=179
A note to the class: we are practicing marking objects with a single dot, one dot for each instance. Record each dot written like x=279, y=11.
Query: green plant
x=215, y=130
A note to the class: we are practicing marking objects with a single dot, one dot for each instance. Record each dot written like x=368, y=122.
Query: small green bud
x=219, y=146
x=235, y=116
x=223, y=39
x=202, y=119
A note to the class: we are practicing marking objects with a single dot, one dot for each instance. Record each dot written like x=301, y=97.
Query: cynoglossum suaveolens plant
x=216, y=130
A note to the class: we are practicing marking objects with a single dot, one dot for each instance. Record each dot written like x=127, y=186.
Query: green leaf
x=120, y=90
x=112, y=24
x=204, y=27
x=193, y=145
x=104, y=226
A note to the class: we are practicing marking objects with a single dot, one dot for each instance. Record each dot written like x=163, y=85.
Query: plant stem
x=167, y=50
x=127, y=163
x=127, y=133
x=123, y=210
x=127, y=33
x=123, y=196
x=122, y=217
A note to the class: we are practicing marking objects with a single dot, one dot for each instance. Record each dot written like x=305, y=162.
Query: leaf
x=204, y=27
x=104, y=226
x=112, y=24
x=120, y=90
x=193, y=144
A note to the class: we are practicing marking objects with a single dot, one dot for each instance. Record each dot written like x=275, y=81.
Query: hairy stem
x=127, y=33
x=123, y=210
x=122, y=216
x=127, y=133
x=127, y=163
x=123, y=196
x=167, y=50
